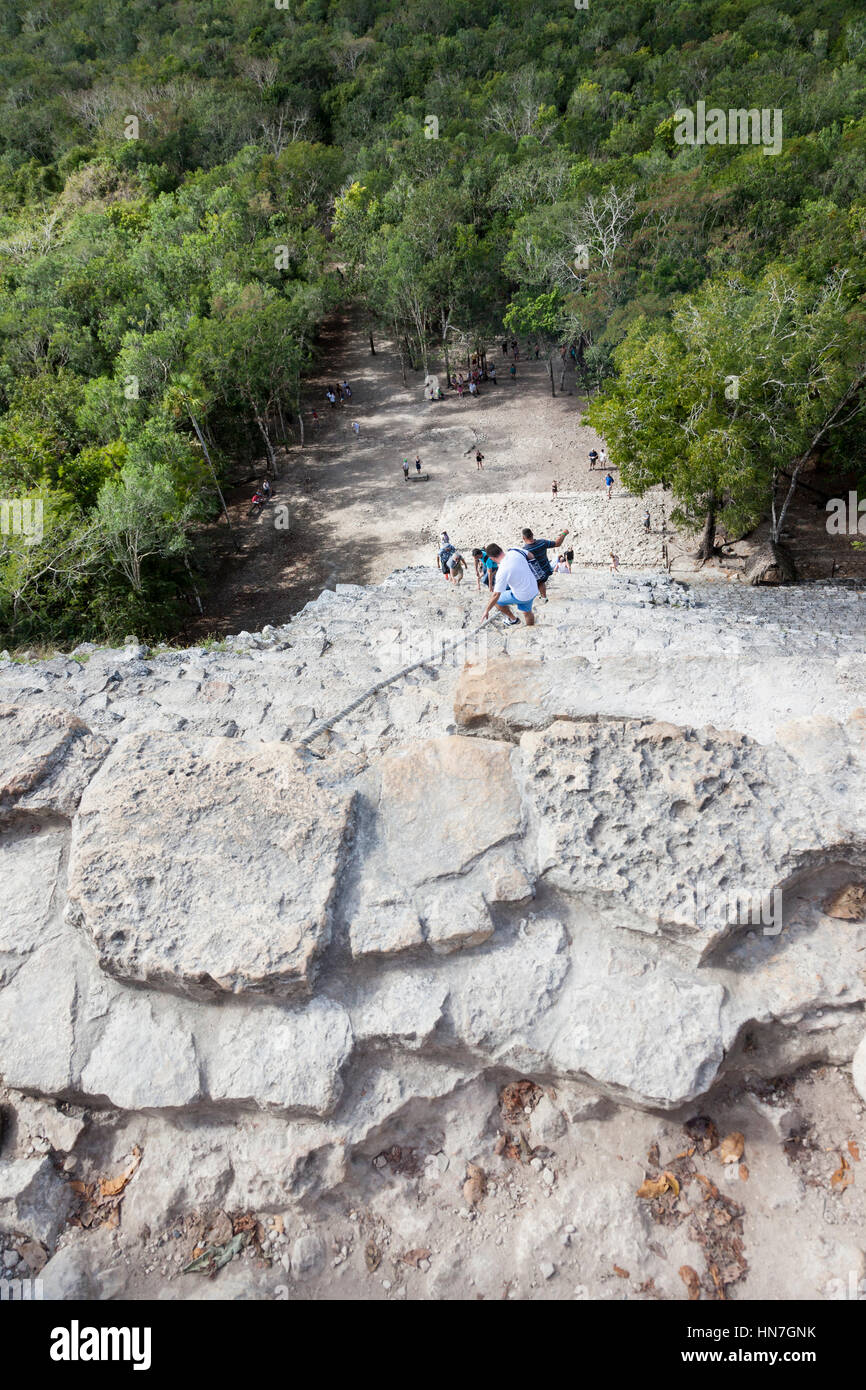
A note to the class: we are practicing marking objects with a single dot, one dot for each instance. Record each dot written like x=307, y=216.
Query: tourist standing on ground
x=554, y=488
x=646, y=521
x=608, y=482
x=536, y=553
x=418, y=465
x=479, y=459
x=514, y=584
x=614, y=563
x=593, y=459
x=405, y=470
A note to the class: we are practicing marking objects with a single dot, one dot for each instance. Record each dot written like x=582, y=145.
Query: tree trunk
x=215, y=479
x=269, y=448
x=550, y=374
x=707, y=546
x=372, y=349
x=447, y=363
x=301, y=424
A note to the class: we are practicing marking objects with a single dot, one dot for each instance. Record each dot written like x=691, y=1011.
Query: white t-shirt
x=514, y=574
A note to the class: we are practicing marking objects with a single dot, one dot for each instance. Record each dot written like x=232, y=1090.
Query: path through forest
x=352, y=518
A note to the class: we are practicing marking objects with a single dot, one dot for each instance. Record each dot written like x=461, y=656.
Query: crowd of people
x=513, y=578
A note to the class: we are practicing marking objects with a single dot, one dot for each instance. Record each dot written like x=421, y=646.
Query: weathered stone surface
x=858, y=1070
x=47, y=757
x=663, y=826
x=143, y=1061
x=38, y=1121
x=36, y=1024
x=30, y=856
x=206, y=866
x=34, y=1200
x=504, y=691
x=438, y=808
x=404, y=1008
x=281, y=1060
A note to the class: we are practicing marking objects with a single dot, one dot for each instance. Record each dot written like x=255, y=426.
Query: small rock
x=547, y=1270
x=308, y=1256
x=10, y=1259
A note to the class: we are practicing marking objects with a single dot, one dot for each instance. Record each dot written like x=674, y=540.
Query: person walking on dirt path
x=614, y=563
x=536, y=553
x=554, y=488
x=491, y=373
x=405, y=470
x=514, y=584
x=593, y=459
x=356, y=428
x=331, y=398
x=479, y=460
x=646, y=522
x=602, y=458
x=513, y=372
x=315, y=415
x=418, y=467
x=608, y=482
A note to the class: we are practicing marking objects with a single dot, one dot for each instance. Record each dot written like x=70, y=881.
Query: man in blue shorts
x=514, y=583
x=536, y=553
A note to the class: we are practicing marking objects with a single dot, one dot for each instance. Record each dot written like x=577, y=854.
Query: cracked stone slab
x=47, y=758
x=207, y=866
x=438, y=810
x=30, y=861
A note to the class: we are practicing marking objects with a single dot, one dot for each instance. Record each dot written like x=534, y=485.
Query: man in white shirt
x=514, y=583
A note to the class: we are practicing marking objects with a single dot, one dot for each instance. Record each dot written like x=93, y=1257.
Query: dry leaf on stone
x=731, y=1147
x=621, y=1273
x=474, y=1186
x=213, y=1257
x=654, y=1187
x=414, y=1257
x=744, y=1173
x=854, y=1150
x=112, y=1187
x=843, y=1177
x=372, y=1256
x=690, y=1278
x=848, y=904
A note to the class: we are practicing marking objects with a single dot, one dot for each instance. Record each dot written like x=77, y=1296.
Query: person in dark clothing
x=536, y=553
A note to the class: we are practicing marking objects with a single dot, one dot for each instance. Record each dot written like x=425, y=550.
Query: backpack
x=537, y=565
